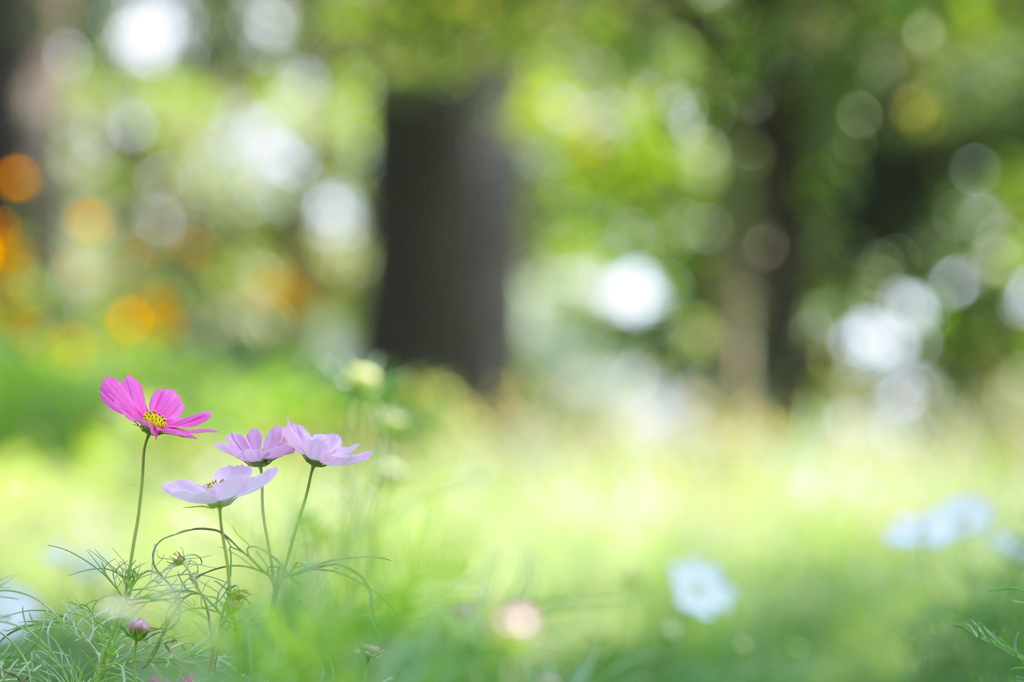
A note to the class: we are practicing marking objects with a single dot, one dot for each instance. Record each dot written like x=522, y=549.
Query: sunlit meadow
x=521, y=542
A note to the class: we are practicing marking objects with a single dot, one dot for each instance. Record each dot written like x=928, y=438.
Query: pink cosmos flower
x=163, y=415
x=255, y=451
x=323, y=449
x=228, y=484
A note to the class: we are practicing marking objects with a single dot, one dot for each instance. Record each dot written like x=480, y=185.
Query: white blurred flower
x=1008, y=544
x=519, y=619
x=700, y=589
x=956, y=519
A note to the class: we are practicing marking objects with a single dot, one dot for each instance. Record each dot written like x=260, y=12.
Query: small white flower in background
x=519, y=619
x=700, y=589
x=956, y=519
x=1008, y=544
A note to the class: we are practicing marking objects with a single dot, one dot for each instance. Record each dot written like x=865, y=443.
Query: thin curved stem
x=266, y=533
x=138, y=507
x=224, y=544
x=298, y=519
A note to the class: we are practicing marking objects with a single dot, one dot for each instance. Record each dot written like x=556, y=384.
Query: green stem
x=298, y=519
x=138, y=508
x=266, y=533
x=224, y=544
x=135, y=660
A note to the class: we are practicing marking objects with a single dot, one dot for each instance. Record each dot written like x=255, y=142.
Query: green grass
x=476, y=504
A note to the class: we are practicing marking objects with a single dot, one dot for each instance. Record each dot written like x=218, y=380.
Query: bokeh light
x=130, y=320
x=336, y=215
x=871, y=338
x=148, y=37
x=634, y=293
x=21, y=178
x=89, y=221
x=859, y=114
x=923, y=33
x=917, y=111
x=133, y=126
x=519, y=619
x=68, y=55
x=271, y=26
x=159, y=220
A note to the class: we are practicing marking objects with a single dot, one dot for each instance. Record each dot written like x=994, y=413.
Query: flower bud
x=137, y=629
x=369, y=651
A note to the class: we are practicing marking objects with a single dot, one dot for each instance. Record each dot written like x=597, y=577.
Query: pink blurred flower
x=254, y=450
x=323, y=449
x=162, y=415
x=228, y=484
x=138, y=628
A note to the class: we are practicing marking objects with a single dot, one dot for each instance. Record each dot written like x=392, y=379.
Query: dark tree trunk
x=445, y=220
x=17, y=27
x=786, y=362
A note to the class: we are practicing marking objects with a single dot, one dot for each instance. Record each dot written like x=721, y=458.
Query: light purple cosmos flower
x=323, y=449
x=162, y=415
x=255, y=451
x=228, y=484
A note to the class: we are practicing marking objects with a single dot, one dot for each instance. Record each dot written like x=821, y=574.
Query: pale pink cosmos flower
x=323, y=449
x=162, y=415
x=254, y=450
x=138, y=628
x=228, y=484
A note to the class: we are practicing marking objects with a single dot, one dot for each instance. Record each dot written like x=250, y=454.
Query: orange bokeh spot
x=168, y=311
x=130, y=320
x=15, y=250
x=89, y=221
x=20, y=178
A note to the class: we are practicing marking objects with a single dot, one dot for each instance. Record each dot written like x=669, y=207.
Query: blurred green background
x=737, y=280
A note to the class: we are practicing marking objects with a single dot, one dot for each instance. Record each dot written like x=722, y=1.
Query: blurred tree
x=17, y=29
x=445, y=219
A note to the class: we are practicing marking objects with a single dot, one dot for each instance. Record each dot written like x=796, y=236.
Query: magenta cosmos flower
x=254, y=450
x=228, y=484
x=323, y=449
x=162, y=415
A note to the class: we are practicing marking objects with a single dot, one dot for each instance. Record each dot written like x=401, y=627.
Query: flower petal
x=233, y=471
x=259, y=481
x=171, y=431
x=255, y=439
x=338, y=460
x=135, y=393
x=116, y=397
x=166, y=403
x=316, y=448
x=237, y=440
x=295, y=434
x=188, y=491
x=275, y=436
x=278, y=451
x=191, y=420
x=230, y=449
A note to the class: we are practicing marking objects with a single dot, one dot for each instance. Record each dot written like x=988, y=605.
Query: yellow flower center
x=155, y=419
x=213, y=483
